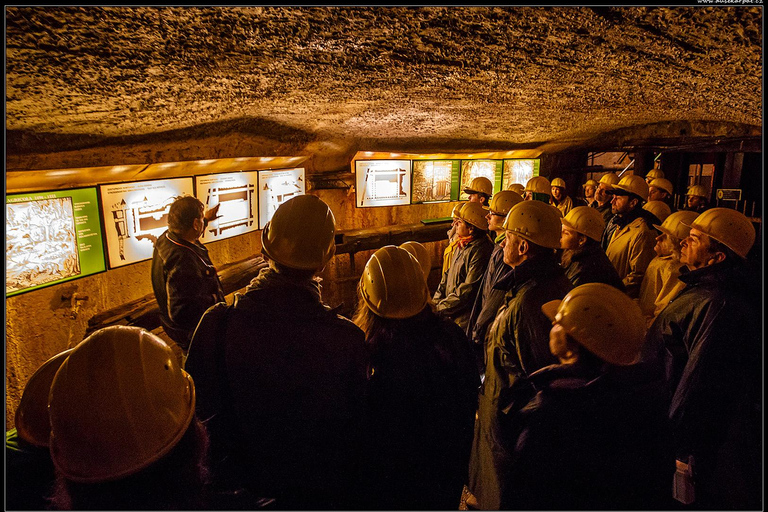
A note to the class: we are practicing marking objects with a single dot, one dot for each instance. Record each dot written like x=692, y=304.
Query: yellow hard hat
x=609, y=178
x=421, y=254
x=119, y=402
x=659, y=208
x=634, y=185
x=662, y=183
x=481, y=185
x=456, y=210
x=474, y=214
x=393, y=284
x=301, y=234
x=729, y=227
x=503, y=201
x=590, y=182
x=603, y=319
x=517, y=187
x=558, y=182
x=654, y=174
x=585, y=220
x=539, y=185
x=32, y=422
x=536, y=222
x=698, y=190
x=678, y=224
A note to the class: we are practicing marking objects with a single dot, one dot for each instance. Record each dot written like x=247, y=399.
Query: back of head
x=393, y=284
x=659, y=209
x=301, y=234
x=503, y=201
x=474, y=214
x=678, y=224
x=539, y=185
x=585, y=220
x=480, y=185
x=421, y=254
x=118, y=403
x=729, y=227
x=32, y=421
x=603, y=319
x=183, y=212
x=536, y=222
x=633, y=184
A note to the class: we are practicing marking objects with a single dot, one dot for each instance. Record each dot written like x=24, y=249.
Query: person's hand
x=212, y=213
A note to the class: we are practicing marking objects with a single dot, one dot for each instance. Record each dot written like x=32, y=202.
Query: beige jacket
x=659, y=285
x=631, y=251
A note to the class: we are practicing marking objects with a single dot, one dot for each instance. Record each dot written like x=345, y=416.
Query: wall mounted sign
x=435, y=181
x=520, y=170
x=51, y=237
x=135, y=214
x=235, y=194
x=382, y=182
x=277, y=187
x=471, y=169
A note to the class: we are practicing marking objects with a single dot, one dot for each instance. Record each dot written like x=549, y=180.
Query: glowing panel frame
x=235, y=192
x=65, y=238
x=451, y=168
x=135, y=214
x=382, y=183
x=470, y=169
x=515, y=167
x=276, y=187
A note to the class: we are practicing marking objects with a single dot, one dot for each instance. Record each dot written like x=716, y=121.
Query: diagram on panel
x=235, y=207
x=383, y=182
x=277, y=187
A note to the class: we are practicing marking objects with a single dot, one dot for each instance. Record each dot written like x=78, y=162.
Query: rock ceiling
x=439, y=78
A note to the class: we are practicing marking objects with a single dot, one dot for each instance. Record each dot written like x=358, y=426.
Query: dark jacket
x=708, y=338
x=458, y=287
x=281, y=381
x=594, y=437
x=185, y=283
x=518, y=345
x=488, y=300
x=29, y=474
x=422, y=398
x=605, y=210
x=589, y=264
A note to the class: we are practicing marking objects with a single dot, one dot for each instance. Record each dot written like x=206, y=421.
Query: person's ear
x=716, y=257
x=523, y=246
x=582, y=240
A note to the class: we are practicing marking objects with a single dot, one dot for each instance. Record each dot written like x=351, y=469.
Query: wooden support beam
x=143, y=312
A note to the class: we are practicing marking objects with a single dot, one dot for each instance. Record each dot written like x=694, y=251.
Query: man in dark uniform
x=184, y=279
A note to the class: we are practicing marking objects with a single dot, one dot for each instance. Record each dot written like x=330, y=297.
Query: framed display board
x=520, y=170
x=235, y=194
x=471, y=169
x=51, y=237
x=435, y=181
x=277, y=187
x=135, y=214
x=382, y=183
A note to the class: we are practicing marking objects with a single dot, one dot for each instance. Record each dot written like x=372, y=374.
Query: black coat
x=590, y=265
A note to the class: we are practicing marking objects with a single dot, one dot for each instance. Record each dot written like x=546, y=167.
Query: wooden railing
x=143, y=312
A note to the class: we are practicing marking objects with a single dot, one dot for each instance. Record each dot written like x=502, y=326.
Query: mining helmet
x=517, y=187
x=634, y=185
x=590, y=183
x=503, y=201
x=480, y=185
x=421, y=254
x=609, y=178
x=393, y=284
x=678, y=224
x=301, y=234
x=558, y=182
x=474, y=213
x=659, y=209
x=585, y=220
x=536, y=222
x=697, y=190
x=456, y=210
x=654, y=174
x=603, y=319
x=118, y=403
x=539, y=185
x=32, y=422
x=662, y=183
x=729, y=227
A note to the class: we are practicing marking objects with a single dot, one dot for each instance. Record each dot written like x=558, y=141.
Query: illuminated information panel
x=520, y=170
x=382, y=182
x=135, y=214
x=235, y=193
x=471, y=169
x=435, y=181
x=51, y=237
x=277, y=187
